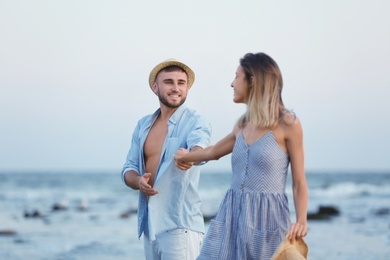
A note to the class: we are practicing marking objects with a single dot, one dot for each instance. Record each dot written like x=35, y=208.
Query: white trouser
x=176, y=244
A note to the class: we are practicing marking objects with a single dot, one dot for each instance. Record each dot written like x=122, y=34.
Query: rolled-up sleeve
x=133, y=156
x=200, y=135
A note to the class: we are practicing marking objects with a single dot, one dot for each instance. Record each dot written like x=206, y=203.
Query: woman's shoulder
x=236, y=130
x=289, y=117
x=290, y=123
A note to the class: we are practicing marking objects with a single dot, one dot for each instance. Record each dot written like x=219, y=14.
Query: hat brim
x=171, y=62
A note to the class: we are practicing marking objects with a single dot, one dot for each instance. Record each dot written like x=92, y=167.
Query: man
x=169, y=213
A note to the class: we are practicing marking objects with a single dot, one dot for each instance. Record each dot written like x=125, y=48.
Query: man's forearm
x=132, y=179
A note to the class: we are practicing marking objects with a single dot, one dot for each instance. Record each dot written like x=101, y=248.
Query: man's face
x=171, y=88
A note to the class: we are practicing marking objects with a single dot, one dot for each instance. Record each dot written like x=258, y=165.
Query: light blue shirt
x=177, y=204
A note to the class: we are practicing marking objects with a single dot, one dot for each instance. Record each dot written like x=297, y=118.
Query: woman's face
x=240, y=87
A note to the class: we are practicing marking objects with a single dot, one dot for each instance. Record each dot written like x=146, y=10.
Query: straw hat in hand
x=297, y=250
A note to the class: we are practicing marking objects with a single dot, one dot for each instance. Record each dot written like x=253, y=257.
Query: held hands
x=182, y=165
x=297, y=230
x=144, y=186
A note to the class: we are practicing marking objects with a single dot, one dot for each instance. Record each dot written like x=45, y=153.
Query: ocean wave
x=347, y=189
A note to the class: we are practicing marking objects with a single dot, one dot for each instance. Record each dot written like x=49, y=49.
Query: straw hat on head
x=171, y=62
x=291, y=251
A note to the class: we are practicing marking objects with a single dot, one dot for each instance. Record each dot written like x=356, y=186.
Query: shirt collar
x=175, y=117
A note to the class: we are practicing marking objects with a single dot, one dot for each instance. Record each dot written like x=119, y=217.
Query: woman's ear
x=251, y=81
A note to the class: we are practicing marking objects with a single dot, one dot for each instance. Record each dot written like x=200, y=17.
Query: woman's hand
x=297, y=230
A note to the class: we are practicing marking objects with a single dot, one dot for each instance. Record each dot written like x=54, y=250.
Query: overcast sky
x=74, y=75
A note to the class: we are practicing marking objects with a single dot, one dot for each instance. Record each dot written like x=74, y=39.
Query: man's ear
x=154, y=87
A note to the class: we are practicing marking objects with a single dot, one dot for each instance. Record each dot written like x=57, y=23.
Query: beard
x=168, y=104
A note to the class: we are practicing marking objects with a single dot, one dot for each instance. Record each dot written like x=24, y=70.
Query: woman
x=254, y=217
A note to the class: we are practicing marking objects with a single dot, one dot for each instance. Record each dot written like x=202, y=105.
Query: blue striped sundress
x=254, y=216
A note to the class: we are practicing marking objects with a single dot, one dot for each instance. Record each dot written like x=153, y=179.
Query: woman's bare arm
x=214, y=152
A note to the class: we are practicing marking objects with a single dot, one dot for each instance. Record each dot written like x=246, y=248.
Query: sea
x=92, y=215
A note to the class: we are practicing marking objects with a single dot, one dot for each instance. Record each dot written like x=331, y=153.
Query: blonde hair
x=265, y=107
